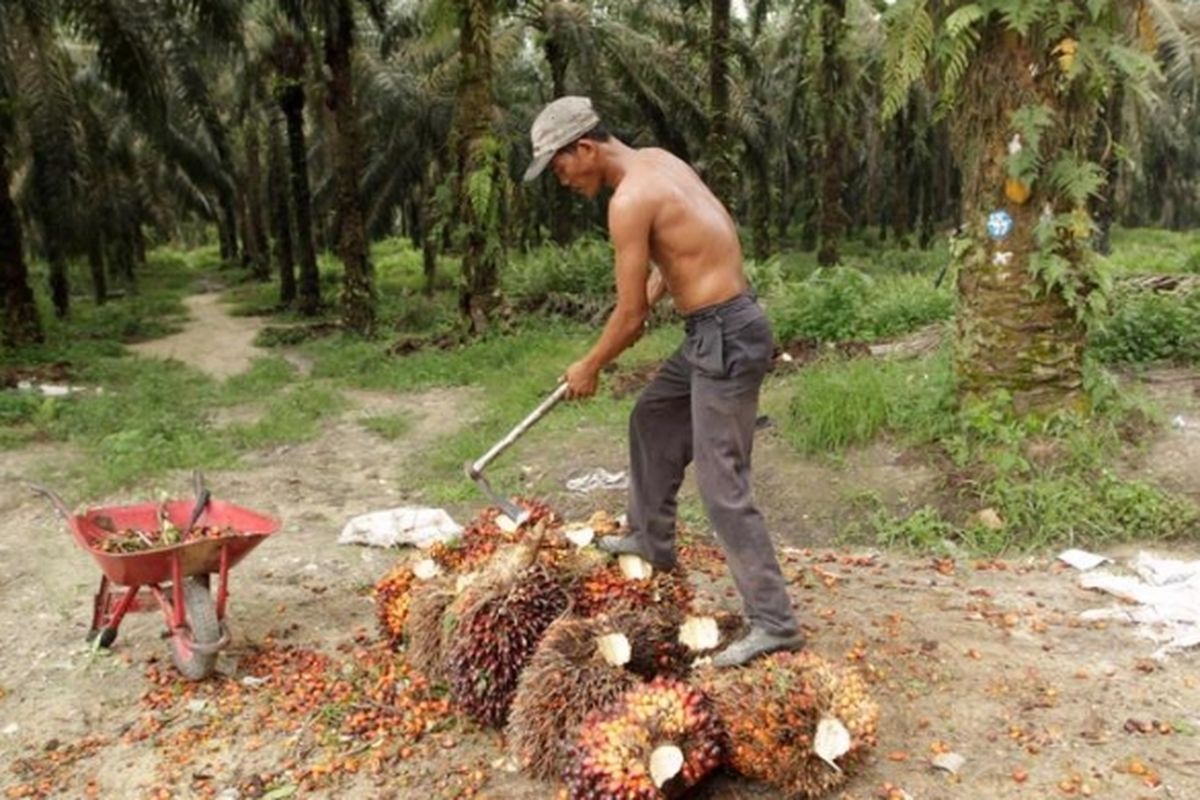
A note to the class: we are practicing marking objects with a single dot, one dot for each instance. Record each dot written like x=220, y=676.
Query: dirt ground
x=988, y=660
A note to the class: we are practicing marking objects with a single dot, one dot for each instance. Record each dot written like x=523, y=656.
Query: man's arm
x=629, y=219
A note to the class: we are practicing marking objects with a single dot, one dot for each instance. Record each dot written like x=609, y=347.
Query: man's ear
x=587, y=149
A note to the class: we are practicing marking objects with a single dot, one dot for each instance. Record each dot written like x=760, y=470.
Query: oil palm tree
x=1023, y=84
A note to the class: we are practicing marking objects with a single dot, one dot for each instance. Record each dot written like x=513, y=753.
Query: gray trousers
x=701, y=407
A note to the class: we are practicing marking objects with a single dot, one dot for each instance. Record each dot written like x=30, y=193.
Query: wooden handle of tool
x=480, y=464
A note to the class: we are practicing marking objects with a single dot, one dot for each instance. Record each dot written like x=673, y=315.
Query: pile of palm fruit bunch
x=602, y=584
x=594, y=667
x=793, y=721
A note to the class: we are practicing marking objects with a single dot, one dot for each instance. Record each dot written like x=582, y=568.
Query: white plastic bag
x=417, y=527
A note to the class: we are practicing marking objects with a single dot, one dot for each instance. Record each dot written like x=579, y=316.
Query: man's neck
x=617, y=156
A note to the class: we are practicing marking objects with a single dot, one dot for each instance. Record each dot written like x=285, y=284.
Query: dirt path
x=212, y=340
x=987, y=659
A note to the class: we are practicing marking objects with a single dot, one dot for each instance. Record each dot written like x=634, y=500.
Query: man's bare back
x=692, y=238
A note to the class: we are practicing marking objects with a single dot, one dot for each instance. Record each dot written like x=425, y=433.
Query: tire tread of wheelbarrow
x=106, y=635
x=202, y=619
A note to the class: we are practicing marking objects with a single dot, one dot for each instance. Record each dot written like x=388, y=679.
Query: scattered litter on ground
x=950, y=762
x=599, y=478
x=419, y=527
x=1167, y=597
x=52, y=389
x=1082, y=560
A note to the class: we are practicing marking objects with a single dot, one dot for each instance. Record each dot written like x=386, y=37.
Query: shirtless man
x=702, y=405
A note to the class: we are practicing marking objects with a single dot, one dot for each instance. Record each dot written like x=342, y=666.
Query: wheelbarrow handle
x=55, y=499
x=203, y=495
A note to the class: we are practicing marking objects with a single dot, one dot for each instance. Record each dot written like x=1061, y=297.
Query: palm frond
x=125, y=34
x=1176, y=37
x=909, y=39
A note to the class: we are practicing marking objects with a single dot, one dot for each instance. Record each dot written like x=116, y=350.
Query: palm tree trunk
x=1108, y=134
x=123, y=254
x=50, y=189
x=227, y=225
x=479, y=162
x=138, y=237
x=557, y=203
x=256, y=241
x=281, y=212
x=1014, y=334
x=229, y=220
x=428, y=263
x=21, y=324
x=720, y=174
x=292, y=103
x=249, y=254
x=760, y=207
x=831, y=223
x=899, y=214
x=358, y=289
x=831, y=226
x=95, y=254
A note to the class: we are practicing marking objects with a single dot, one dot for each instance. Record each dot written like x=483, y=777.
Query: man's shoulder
x=636, y=192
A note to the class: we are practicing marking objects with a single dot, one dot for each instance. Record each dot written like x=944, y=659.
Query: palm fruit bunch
x=569, y=676
x=790, y=718
x=496, y=624
x=477, y=544
x=655, y=645
x=484, y=534
x=657, y=741
x=607, y=588
x=391, y=601
x=580, y=666
x=425, y=631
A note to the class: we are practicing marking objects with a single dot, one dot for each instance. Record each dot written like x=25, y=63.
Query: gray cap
x=559, y=124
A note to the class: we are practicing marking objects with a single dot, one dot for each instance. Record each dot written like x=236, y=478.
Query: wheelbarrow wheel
x=106, y=636
x=196, y=663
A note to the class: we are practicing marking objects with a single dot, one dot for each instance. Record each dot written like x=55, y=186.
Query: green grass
x=388, y=427
x=152, y=417
x=291, y=416
x=843, y=303
x=1152, y=251
x=838, y=404
x=512, y=375
x=1049, y=482
x=266, y=376
x=1144, y=327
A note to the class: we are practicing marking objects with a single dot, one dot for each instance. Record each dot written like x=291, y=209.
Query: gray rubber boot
x=757, y=643
x=620, y=545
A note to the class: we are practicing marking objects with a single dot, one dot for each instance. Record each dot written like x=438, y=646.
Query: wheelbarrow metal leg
x=123, y=606
x=178, y=615
x=100, y=604
x=223, y=582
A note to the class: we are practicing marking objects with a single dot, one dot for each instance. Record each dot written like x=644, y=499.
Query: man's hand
x=581, y=378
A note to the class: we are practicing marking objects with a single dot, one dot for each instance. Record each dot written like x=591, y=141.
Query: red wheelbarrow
x=175, y=577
